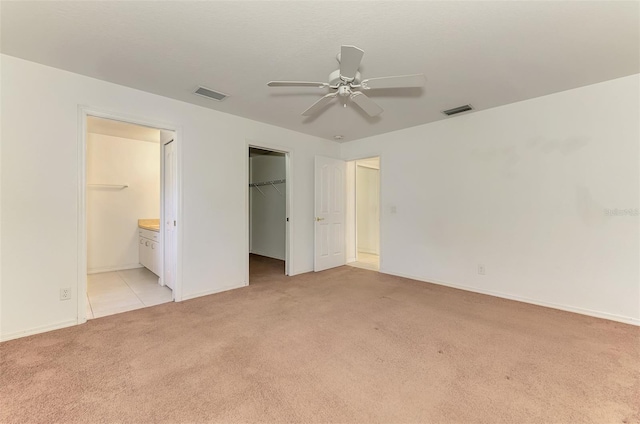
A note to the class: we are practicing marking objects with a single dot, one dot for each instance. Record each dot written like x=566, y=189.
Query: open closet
x=267, y=214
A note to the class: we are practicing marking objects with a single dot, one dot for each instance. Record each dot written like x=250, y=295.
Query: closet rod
x=264, y=183
x=109, y=185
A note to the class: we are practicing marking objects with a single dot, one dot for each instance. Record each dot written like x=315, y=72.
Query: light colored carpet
x=346, y=345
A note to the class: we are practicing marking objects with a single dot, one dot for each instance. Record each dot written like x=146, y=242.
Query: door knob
x=319, y=219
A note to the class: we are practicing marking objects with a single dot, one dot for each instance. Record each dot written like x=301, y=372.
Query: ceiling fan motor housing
x=344, y=91
x=335, y=79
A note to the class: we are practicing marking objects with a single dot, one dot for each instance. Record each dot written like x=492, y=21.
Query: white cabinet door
x=142, y=252
x=156, y=257
x=150, y=255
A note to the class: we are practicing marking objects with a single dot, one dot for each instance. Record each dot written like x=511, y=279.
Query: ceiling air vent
x=210, y=94
x=457, y=110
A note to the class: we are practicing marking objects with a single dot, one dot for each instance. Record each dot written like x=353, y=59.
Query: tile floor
x=110, y=293
x=367, y=261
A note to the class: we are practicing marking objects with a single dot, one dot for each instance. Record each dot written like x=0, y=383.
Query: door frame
x=380, y=200
x=288, y=160
x=83, y=113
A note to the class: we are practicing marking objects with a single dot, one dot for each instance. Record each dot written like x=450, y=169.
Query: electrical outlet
x=481, y=269
x=65, y=294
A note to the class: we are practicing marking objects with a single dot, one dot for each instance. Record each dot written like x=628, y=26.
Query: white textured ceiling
x=122, y=129
x=484, y=53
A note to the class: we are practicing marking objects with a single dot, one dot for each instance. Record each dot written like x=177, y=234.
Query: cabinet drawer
x=152, y=235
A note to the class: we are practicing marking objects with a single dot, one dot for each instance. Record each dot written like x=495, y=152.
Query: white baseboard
x=582, y=311
x=213, y=291
x=38, y=330
x=370, y=252
x=111, y=269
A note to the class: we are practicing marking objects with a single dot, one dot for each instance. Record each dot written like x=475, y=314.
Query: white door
x=330, y=213
x=170, y=188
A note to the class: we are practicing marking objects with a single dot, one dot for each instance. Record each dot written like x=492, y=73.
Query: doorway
x=130, y=216
x=268, y=217
x=363, y=213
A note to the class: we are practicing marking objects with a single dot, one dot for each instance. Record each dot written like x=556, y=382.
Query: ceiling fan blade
x=350, y=58
x=368, y=105
x=400, y=81
x=315, y=108
x=297, y=84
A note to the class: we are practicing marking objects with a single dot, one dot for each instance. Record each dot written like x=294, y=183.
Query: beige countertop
x=149, y=224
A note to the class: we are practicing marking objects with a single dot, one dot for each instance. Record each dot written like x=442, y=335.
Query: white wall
x=368, y=209
x=40, y=189
x=521, y=189
x=112, y=214
x=268, y=211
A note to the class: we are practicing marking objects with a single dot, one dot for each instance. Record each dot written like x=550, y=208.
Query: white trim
x=213, y=291
x=162, y=229
x=576, y=310
x=177, y=292
x=81, y=290
x=38, y=330
x=85, y=111
x=113, y=268
x=289, y=236
x=0, y=207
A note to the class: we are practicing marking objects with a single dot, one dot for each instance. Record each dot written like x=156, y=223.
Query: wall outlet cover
x=65, y=294
x=481, y=269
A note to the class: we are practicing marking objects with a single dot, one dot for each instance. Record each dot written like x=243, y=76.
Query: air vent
x=457, y=110
x=210, y=94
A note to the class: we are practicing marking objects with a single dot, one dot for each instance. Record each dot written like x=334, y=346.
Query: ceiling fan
x=349, y=85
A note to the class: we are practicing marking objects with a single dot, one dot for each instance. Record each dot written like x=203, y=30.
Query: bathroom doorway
x=129, y=217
